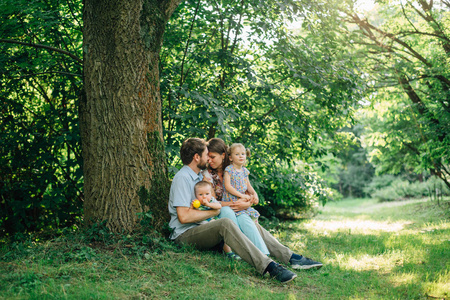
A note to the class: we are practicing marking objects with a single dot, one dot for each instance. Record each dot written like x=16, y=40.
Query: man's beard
x=202, y=165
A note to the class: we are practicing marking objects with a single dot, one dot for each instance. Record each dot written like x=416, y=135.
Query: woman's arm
x=251, y=191
x=230, y=189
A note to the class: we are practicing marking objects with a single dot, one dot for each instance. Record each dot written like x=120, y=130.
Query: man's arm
x=191, y=215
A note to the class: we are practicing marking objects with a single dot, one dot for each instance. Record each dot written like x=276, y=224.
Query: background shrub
x=398, y=189
x=291, y=191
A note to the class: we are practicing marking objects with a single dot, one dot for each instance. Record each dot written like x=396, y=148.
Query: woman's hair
x=190, y=147
x=218, y=146
x=238, y=145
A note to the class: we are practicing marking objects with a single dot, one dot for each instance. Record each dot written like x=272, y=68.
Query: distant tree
x=355, y=171
x=406, y=48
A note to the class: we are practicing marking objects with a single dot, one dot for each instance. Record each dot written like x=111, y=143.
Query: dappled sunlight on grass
x=398, y=251
x=442, y=284
x=399, y=248
x=355, y=226
x=383, y=263
x=404, y=278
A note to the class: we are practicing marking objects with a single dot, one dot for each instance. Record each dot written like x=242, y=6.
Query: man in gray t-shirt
x=181, y=195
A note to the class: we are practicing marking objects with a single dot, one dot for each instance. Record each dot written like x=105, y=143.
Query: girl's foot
x=233, y=256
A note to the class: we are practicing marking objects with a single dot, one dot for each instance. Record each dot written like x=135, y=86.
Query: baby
x=203, y=192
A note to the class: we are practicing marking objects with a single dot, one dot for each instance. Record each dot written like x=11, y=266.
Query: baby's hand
x=204, y=202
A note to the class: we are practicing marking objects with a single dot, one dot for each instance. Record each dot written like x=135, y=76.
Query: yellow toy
x=196, y=203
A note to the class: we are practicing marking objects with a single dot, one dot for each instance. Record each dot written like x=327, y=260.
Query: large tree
x=120, y=113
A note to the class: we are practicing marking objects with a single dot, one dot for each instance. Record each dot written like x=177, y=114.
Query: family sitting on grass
x=225, y=215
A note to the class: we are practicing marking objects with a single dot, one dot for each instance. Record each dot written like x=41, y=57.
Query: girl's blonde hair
x=238, y=145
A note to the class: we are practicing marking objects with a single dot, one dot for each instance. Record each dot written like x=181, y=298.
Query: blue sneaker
x=281, y=274
x=304, y=263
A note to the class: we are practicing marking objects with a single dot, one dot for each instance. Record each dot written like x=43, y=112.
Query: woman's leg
x=227, y=213
x=248, y=227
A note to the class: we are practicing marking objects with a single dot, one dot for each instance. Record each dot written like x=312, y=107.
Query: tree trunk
x=120, y=112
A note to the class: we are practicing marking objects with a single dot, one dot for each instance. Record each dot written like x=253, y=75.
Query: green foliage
x=378, y=183
x=288, y=192
x=406, y=61
x=40, y=174
x=348, y=169
x=264, y=87
x=390, y=188
x=238, y=72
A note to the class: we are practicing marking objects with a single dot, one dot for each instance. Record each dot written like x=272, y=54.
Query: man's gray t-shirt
x=181, y=194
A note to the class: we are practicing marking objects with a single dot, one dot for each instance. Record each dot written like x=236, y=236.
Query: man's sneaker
x=281, y=274
x=304, y=263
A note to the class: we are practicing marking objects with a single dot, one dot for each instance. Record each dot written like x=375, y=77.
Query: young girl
x=236, y=181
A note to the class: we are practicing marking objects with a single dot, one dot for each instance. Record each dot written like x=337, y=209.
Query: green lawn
x=370, y=250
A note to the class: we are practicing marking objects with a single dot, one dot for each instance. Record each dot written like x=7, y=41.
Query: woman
x=217, y=162
x=261, y=238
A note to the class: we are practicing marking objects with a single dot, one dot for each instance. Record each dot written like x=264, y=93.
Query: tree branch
x=76, y=58
x=187, y=44
x=364, y=24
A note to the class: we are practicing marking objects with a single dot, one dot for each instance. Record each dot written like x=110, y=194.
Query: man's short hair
x=201, y=184
x=190, y=147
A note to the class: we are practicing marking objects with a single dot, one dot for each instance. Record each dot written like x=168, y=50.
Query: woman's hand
x=254, y=198
x=239, y=205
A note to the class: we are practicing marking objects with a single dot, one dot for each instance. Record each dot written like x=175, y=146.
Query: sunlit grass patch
x=404, y=279
x=382, y=263
x=441, y=286
x=355, y=226
x=377, y=250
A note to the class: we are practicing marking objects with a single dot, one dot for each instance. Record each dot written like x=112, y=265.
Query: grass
x=370, y=250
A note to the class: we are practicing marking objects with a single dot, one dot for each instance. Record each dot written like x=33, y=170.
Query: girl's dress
x=237, y=180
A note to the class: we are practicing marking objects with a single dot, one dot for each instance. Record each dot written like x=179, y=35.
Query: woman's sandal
x=233, y=256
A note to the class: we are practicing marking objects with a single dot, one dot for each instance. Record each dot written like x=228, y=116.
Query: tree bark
x=120, y=112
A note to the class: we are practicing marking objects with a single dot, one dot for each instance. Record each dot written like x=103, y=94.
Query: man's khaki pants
x=208, y=235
